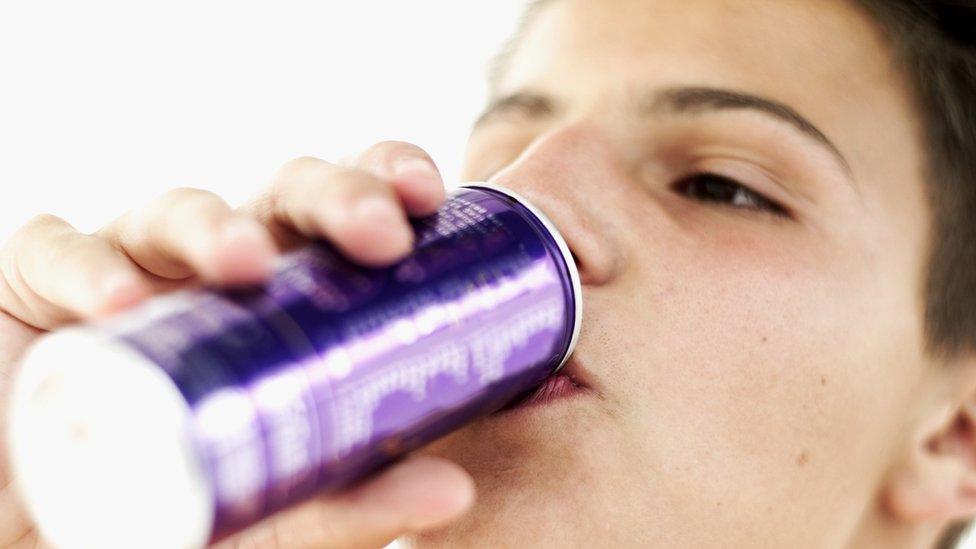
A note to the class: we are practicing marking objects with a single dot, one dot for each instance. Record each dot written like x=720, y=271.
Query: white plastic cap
x=101, y=451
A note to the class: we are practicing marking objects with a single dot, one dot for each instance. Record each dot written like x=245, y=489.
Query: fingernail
x=120, y=291
x=375, y=209
x=382, y=213
x=245, y=253
x=416, y=168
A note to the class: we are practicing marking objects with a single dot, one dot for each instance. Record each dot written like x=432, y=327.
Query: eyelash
x=728, y=193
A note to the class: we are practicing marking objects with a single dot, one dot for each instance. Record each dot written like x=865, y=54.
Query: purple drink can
x=204, y=411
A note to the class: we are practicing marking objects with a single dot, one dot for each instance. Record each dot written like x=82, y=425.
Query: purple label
x=333, y=370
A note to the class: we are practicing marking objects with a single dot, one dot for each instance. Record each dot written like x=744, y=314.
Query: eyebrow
x=696, y=100
x=679, y=100
x=533, y=105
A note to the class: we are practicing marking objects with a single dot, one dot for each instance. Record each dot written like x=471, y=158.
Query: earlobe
x=937, y=481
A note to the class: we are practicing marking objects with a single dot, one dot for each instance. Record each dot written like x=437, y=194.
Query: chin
x=536, y=468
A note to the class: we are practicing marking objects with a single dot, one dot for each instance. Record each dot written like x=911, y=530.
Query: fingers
x=355, y=210
x=412, y=172
x=360, y=205
x=52, y=274
x=190, y=232
x=418, y=494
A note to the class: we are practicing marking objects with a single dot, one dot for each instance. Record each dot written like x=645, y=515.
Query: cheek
x=730, y=331
x=753, y=364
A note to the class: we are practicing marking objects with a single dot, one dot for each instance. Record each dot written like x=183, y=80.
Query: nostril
x=596, y=262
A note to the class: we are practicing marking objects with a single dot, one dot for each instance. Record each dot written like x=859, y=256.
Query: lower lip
x=555, y=388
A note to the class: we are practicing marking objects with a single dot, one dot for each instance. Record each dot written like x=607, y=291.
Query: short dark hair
x=933, y=43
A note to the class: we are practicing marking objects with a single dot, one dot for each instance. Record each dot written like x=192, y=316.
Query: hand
x=51, y=275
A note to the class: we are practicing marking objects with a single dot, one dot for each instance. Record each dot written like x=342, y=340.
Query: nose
x=570, y=174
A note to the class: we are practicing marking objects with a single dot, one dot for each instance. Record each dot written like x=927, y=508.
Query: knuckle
x=327, y=180
x=386, y=153
x=42, y=222
x=185, y=203
x=302, y=164
x=37, y=231
x=188, y=195
x=355, y=184
x=303, y=161
x=361, y=180
x=401, y=147
x=297, y=173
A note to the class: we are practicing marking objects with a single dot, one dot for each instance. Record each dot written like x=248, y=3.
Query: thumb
x=417, y=494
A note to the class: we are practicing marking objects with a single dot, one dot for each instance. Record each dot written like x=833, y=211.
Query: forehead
x=755, y=43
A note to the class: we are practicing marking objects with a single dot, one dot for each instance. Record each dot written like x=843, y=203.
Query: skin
x=755, y=360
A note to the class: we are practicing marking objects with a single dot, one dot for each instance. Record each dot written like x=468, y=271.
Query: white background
x=104, y=105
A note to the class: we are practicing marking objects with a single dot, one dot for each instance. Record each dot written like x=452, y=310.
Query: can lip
x=571, y=267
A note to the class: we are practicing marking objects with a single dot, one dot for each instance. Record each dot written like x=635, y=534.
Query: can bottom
x=101, y=448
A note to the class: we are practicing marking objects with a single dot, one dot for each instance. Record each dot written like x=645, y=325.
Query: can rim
x=571, y=267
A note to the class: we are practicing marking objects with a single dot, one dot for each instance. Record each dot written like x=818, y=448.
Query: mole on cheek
x=803, y=458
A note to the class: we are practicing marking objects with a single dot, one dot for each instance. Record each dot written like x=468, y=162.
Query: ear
x=936, y=482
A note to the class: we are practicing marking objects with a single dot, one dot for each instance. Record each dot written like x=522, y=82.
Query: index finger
x=411, y=170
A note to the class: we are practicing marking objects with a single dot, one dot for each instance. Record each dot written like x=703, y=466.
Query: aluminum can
x=201, y=412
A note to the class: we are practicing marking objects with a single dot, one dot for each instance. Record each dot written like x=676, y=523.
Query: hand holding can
x=253, y=400
x=53, y=275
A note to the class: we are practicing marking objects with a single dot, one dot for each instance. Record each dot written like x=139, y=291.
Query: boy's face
x=755, y=354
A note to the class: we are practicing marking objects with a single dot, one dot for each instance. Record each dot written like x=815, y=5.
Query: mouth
x=555, y=387
x=568, y=383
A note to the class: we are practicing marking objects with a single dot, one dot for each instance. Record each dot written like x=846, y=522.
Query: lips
x=554, y=388
x=568, y=382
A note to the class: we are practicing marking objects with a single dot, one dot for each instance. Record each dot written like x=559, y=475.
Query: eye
x=709, y=187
